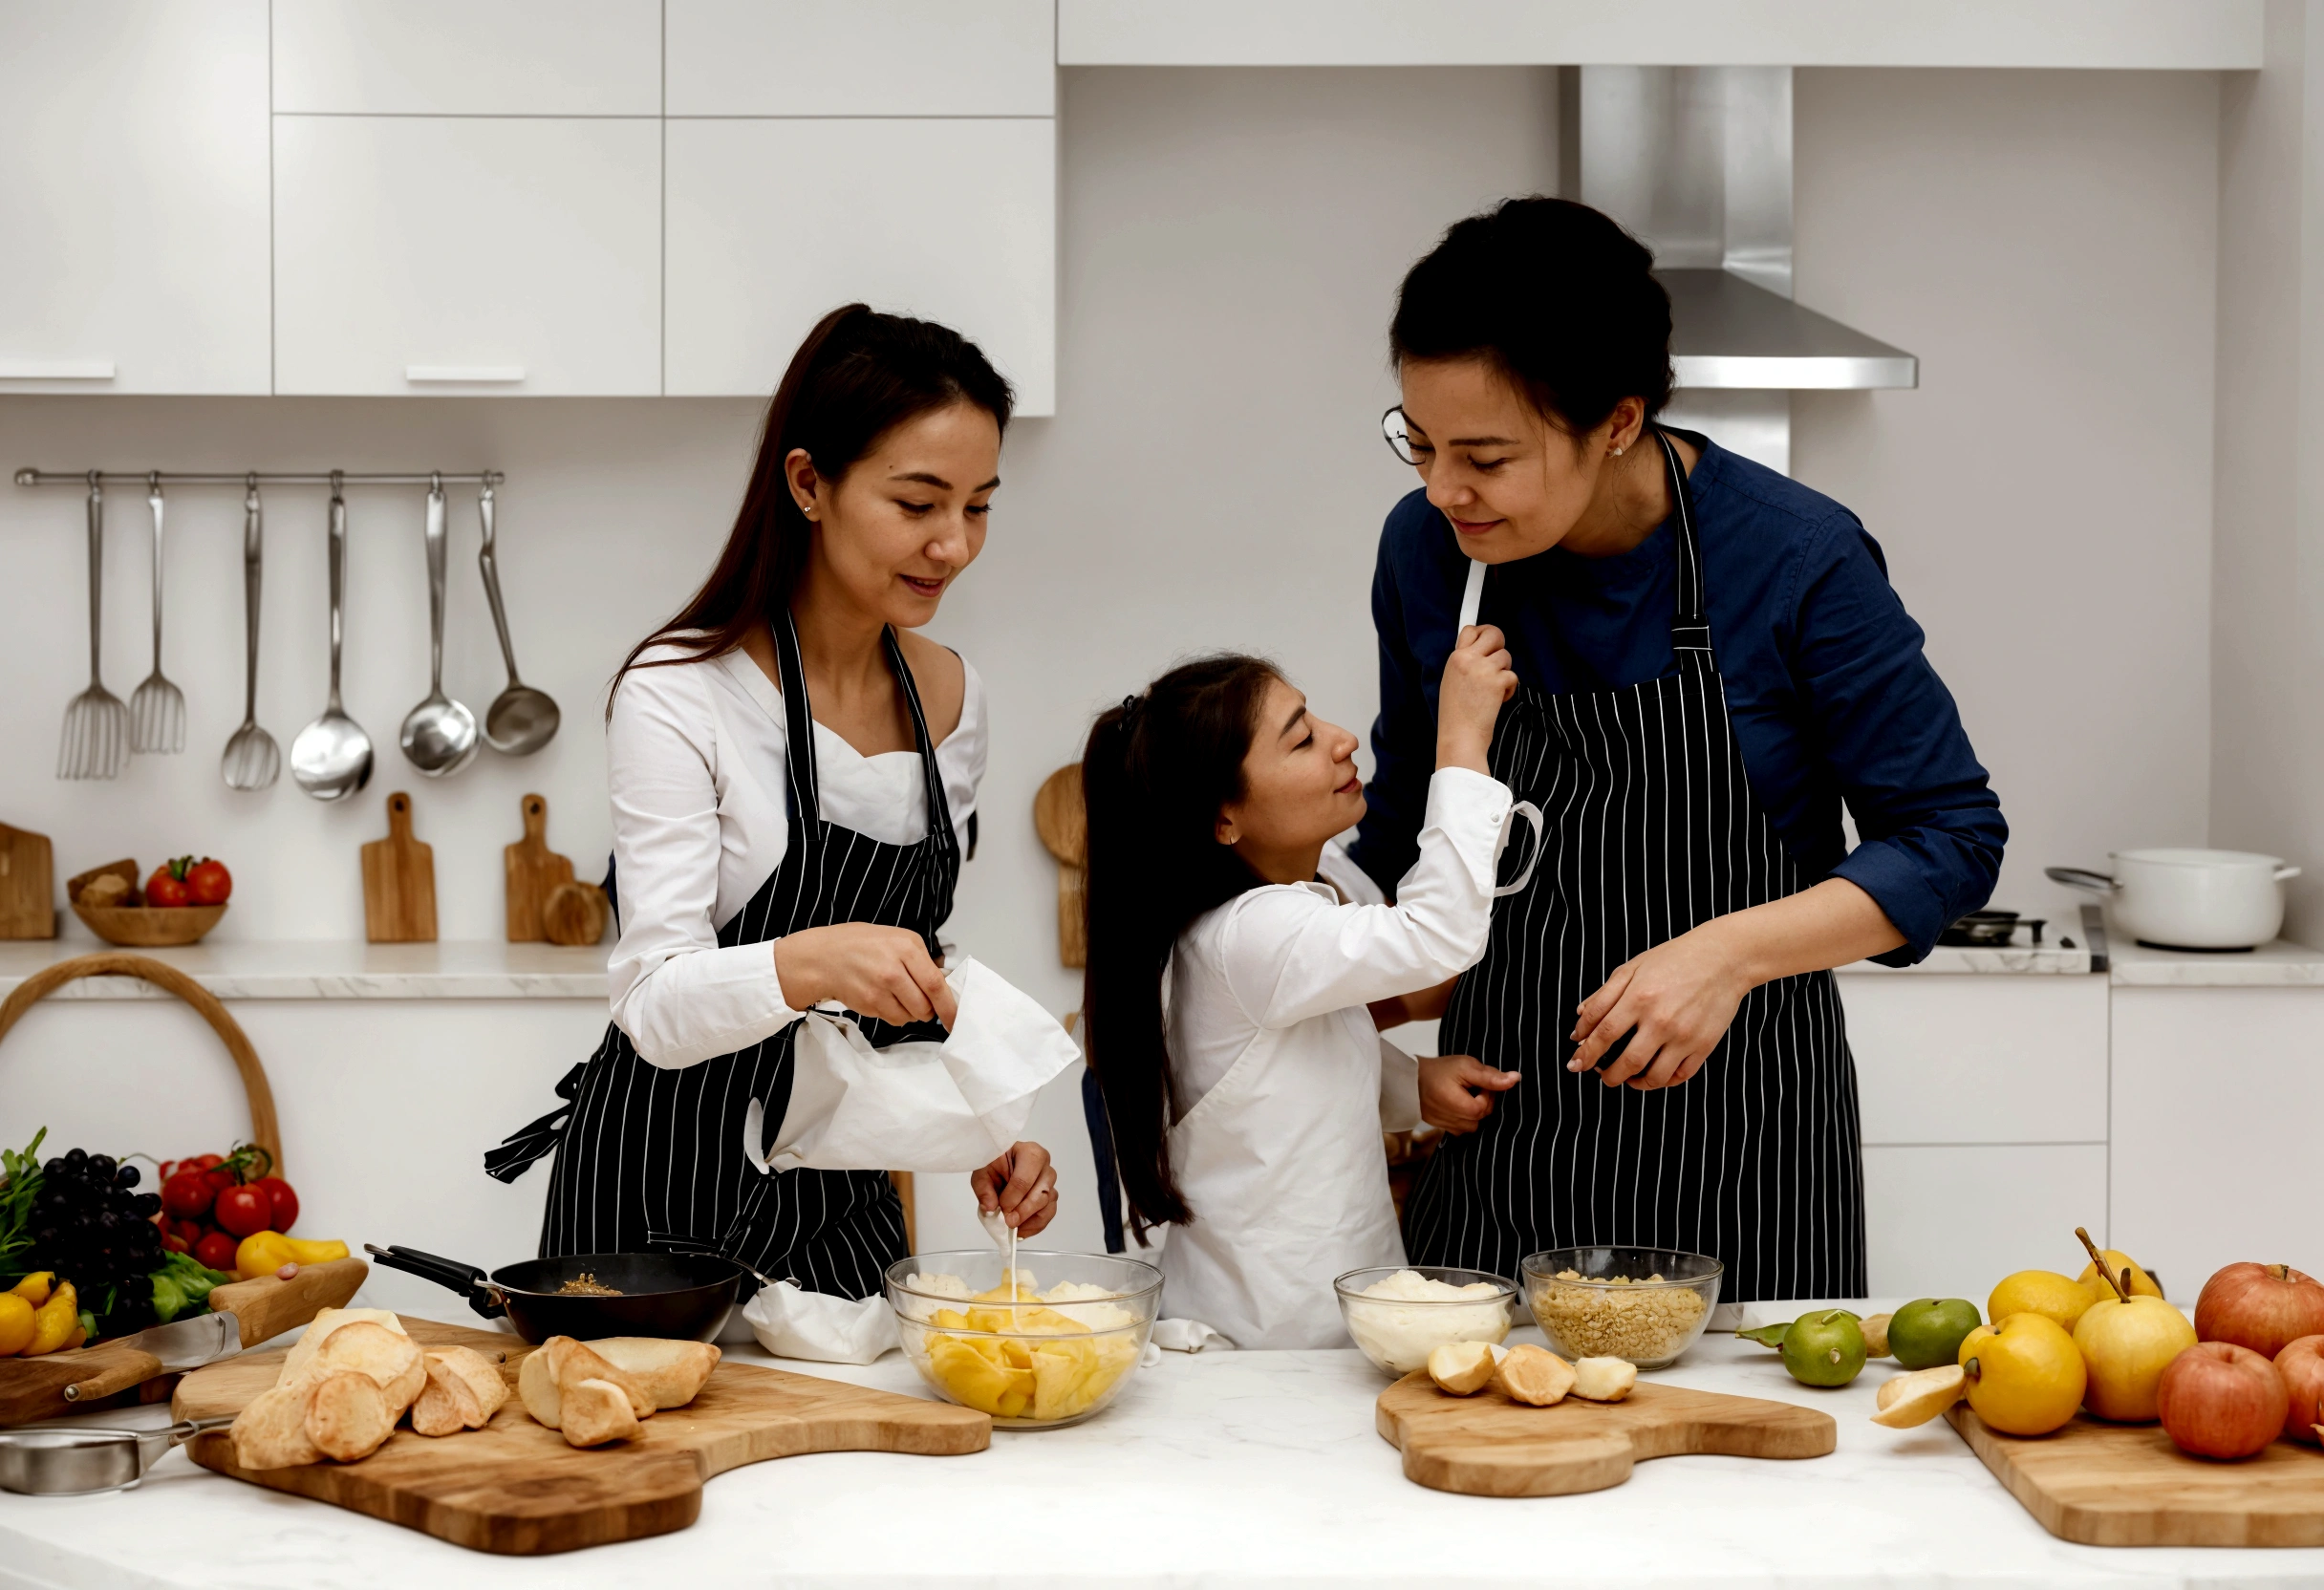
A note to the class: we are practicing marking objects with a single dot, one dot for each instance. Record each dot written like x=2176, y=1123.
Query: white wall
x=2045, y=243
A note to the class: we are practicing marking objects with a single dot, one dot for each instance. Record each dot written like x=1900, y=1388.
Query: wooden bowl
x=149, y=927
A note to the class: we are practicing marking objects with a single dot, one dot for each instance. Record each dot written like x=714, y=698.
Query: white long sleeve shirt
x=696, y=756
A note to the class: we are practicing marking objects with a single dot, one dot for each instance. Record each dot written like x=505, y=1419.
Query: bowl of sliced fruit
x=1034, y=1357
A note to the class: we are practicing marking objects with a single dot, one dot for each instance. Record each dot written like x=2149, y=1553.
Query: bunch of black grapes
x=90, y=1225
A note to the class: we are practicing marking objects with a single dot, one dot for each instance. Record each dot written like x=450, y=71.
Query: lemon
x=2026, y=1377
x=2056, y=1297
x=15, y=1324
x=2142, y=1284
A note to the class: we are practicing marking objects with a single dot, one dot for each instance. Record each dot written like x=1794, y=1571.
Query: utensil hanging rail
x=242, y=476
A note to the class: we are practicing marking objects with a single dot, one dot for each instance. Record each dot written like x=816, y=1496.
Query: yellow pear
x=2127, y=1344
x=2142, y=1284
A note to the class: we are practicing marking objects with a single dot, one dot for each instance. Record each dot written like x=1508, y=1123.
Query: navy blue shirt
x=1831, y=696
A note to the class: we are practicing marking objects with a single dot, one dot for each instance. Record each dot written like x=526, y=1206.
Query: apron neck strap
x=799, y=723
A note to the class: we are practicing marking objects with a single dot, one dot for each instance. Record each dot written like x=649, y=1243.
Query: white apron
x=1284, y=1168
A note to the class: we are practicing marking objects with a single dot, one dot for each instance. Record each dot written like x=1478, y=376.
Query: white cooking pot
x=2189, y=899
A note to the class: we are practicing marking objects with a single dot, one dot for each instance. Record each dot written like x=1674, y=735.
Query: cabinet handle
x=55, y=369
x=466, y=375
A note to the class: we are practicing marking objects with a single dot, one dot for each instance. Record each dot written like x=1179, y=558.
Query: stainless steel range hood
x=1697, y=162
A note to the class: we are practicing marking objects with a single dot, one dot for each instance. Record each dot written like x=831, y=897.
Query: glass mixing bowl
x=1037, y=1363
x=1398, y=1334
x=1646, y=1304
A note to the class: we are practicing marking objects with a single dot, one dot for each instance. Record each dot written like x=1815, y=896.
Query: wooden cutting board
x=399, y=882
x=532, y=870
x=1488, y=1446
x=28, y=885
x=515, y=1487
x=1062, y=819
x=2127, y=1485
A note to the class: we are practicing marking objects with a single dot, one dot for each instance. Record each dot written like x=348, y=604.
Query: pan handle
x=483, y=1296
x=2079, y=877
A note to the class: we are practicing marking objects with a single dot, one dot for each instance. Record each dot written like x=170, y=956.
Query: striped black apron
x=1649, y=829
x=648, y=1157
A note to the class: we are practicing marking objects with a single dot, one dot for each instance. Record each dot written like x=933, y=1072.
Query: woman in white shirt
x=772, y=856
x=1250, y=1117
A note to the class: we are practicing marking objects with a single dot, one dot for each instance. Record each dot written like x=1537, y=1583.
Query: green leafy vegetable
x=182, y=1285
x=19, y=1186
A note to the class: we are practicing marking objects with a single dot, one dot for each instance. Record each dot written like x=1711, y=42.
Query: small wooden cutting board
x=28, y=885
x=2127, y=1485
x=515, y=1487
x=533, y=872
x=1488, y=1446
x=399, y=882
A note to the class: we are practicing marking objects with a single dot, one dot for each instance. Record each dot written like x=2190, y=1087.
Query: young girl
x=1250, y=1116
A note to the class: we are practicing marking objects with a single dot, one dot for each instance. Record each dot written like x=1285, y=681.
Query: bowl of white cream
x=1400, y=1314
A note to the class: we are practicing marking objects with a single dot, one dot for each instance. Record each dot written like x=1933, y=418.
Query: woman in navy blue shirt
x=1712, y=661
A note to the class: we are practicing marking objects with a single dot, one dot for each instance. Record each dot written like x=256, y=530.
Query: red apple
x=2219, y=1400
x=2263, y=1307
x=2302, y=1366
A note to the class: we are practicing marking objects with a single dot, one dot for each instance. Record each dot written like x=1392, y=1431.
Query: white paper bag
x=921, y=1106
x=794, y=1323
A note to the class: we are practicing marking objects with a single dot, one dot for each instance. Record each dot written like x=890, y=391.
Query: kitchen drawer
x=1949, y=1222
x=1943, y=1058
x=434, y=254
x=772, y=224
x=505, y=57
x=133, y=195
x=2218, y=1129
x=862, y=57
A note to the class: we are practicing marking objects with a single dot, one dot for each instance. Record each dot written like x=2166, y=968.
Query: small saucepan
x=683, y=1297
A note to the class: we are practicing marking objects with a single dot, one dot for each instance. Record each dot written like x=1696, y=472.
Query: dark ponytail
x=1557, y=296
x=858, y=376
x=1154, y=775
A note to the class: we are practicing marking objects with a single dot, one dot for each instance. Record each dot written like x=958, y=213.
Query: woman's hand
x=872, y=970
x=1448, y=1096
x=1680, y=996
x=1479, y=677
x=1023, y=1185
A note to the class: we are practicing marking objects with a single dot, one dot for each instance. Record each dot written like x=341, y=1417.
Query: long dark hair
x=1154, y=775
x=858, y=376
x=1556, y=296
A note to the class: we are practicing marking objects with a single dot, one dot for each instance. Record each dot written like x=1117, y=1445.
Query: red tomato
x=162, y=890
x=187, y=1196
x=284, y=1201
x=201, y=1162
x=208, y=882
x=243, y=1210
x=216, y=1248
x=189, y=1232
x=220, y=1178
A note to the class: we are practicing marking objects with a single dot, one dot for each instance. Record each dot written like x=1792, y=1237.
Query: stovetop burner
x=1991, y=930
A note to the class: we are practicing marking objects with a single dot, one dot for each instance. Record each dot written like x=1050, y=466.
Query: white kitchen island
x=1233, y=1468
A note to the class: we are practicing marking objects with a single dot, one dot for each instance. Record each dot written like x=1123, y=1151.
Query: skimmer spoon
x=439, y=735
x=331, y=758
x=156, y=711
x=95, y=740
x=521, y=720
x=252, y=760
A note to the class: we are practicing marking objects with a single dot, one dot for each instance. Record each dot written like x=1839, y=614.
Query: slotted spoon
x=95, y=742
x=156, y=711
x=252, y=759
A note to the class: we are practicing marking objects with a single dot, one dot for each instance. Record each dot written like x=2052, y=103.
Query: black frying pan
x=681, y=1296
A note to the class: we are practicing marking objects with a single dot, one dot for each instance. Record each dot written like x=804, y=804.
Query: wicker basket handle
x=264, y=1131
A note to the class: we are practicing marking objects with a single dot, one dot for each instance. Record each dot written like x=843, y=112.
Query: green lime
x=1926, y=1333
x=1824, y=1347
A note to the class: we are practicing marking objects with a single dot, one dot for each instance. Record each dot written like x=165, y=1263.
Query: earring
x=1619, y=451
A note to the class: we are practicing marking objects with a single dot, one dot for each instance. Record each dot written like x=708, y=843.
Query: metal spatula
x=157, y=712
x=95, y=740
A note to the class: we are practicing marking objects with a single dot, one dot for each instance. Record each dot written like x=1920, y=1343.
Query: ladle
x=521, y=720
x=331, y=758
x=439, y=735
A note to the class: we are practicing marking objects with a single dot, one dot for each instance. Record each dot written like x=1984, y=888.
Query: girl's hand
x=1479, y=677
x=1680, y=996
x=1448, y=1096
x=1023, y=1185
x=872, y=970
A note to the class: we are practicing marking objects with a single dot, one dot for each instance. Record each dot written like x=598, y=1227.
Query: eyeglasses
x=1397, y=432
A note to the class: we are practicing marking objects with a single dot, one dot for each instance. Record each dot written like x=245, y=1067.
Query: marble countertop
x=326, y=969
x=1242, y=1468
x=2277, y=965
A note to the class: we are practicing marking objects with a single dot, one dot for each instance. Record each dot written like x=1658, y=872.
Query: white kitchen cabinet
x=2218, y=1129
x=1951, y=1220
x=862, y=57
x=470, y=254
x=133, y=195
x=456, y=57
x=2000, y=1058
x=771, y=224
